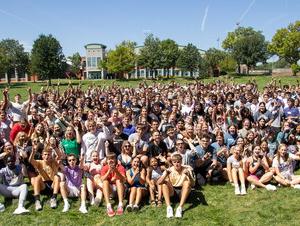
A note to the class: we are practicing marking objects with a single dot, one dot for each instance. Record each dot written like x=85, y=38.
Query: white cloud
x=204, y=18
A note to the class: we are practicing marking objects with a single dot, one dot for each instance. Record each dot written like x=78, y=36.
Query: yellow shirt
x=177, y=178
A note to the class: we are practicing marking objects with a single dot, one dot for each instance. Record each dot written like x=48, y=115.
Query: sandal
x=153, y=203
x=159, y=203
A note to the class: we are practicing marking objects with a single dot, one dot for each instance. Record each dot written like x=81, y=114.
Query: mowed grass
x=210, y=205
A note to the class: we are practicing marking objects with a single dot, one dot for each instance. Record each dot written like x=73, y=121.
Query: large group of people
x=153, y=143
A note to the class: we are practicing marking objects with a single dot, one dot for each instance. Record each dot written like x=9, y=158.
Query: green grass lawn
x=212, y=205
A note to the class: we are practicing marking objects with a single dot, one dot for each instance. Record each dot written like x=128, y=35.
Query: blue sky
x=76, y=23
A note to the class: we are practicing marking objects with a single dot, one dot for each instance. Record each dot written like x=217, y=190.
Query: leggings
x=15, y=191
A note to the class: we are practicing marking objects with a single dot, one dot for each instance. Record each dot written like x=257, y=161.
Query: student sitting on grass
x=235, y=171
x=154, y=172
x=113, y=178
x=47, y=179
x=260, y=172
x=13, y=184
x=136, y=178
x=177, y=180
x=93, y=179
x=71, y=183
x=284, y=168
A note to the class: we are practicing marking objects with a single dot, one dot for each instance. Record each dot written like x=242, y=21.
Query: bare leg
x=55, y=184
x=133, y=191
x=83, y=193
x=139, y=195
x=185, y=191
x=120, y=191
x=167, y=192
x=282, y=181
x=106, y=191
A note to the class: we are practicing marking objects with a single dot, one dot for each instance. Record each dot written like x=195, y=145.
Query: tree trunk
x=239, y=69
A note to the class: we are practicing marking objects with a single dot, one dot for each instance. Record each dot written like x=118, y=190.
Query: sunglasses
x=179, y=143
x=126, y=146
x=71, y=160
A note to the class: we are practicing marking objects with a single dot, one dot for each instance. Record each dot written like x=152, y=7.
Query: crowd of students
x=148, y=143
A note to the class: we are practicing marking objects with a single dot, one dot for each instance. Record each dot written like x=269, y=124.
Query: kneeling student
x=71, y=183
x=177, y=179
x=13, y=184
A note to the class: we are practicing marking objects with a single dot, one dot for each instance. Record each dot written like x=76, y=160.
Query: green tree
x=121, y=60
x=169, y=54
x=189, y=59
x=214, y=57
x=247, y=46
x=76, y=63
x=47, y=58
x=13, y=58
x=228, y=64
x=150, y=55
x=286, y=44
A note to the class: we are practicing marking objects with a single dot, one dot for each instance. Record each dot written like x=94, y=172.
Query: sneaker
x=243, y=191
x=92, y=201
x=178, y=212
x=136, y=208
x=2, y=208
x=20, y=210
x=252, y=186
x=120, y=211
x=53, y=203
x=129, y=208
x=296, y=186
x=66, y=207
x=83, y=209
x=170, y=212
x=38, y=205
x=110, y=212
x=271, y=187
x=237, y=190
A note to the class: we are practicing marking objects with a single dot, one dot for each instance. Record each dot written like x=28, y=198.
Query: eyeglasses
x=126, y=146
x=179, y=143
x=71, y=160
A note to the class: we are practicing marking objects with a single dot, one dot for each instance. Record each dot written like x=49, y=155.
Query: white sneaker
x=38, y=205
x=97, y=201
x=296, y=186
x=170, y=212
x=129, y=207
x=20, y=210
x=2, y=208
x=270, y=187
x=243, y=191
x=66, y=207
x=53, y=203
x=83, y=209
x=237, y=190
x=252, y=186
x=178, y=212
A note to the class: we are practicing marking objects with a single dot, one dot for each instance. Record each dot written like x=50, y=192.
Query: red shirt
x=112, y=177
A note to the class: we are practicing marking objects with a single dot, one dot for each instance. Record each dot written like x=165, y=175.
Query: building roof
x=98, y=44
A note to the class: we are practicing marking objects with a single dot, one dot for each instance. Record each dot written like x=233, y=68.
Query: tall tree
x=76, y=63
x=189, y=59
x=47, y=58
x=214, y=57
x=286, y=44
x=150, y=54
x=247, y=46
x=169, y=54
x=228, y=64
x=121, y=60
x=13, y=58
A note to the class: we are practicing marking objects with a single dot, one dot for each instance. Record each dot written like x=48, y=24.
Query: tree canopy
x=121, y=60
x=47, y=58
x=247, y=46
x=76, y=62
x=286, y=44
x=189, y=59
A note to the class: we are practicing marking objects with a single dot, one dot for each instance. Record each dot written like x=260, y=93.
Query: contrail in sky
x=17, y=17
x=204, y=18
x=246, y=11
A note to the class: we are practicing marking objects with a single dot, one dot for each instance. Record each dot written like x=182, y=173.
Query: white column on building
x=16, y=74
x=6, y=77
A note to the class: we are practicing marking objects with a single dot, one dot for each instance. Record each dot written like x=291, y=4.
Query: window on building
x=93, y=61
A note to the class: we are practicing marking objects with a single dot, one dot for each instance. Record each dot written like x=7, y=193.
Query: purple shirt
x=73, y=176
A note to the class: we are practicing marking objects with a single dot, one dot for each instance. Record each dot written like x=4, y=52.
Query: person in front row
x=177, y=180
x=113, y=176
x=71, y=183
x=13, y=184
x=47, y=180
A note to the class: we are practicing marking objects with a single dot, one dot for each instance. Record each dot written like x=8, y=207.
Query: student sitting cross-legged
x=177, y=180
